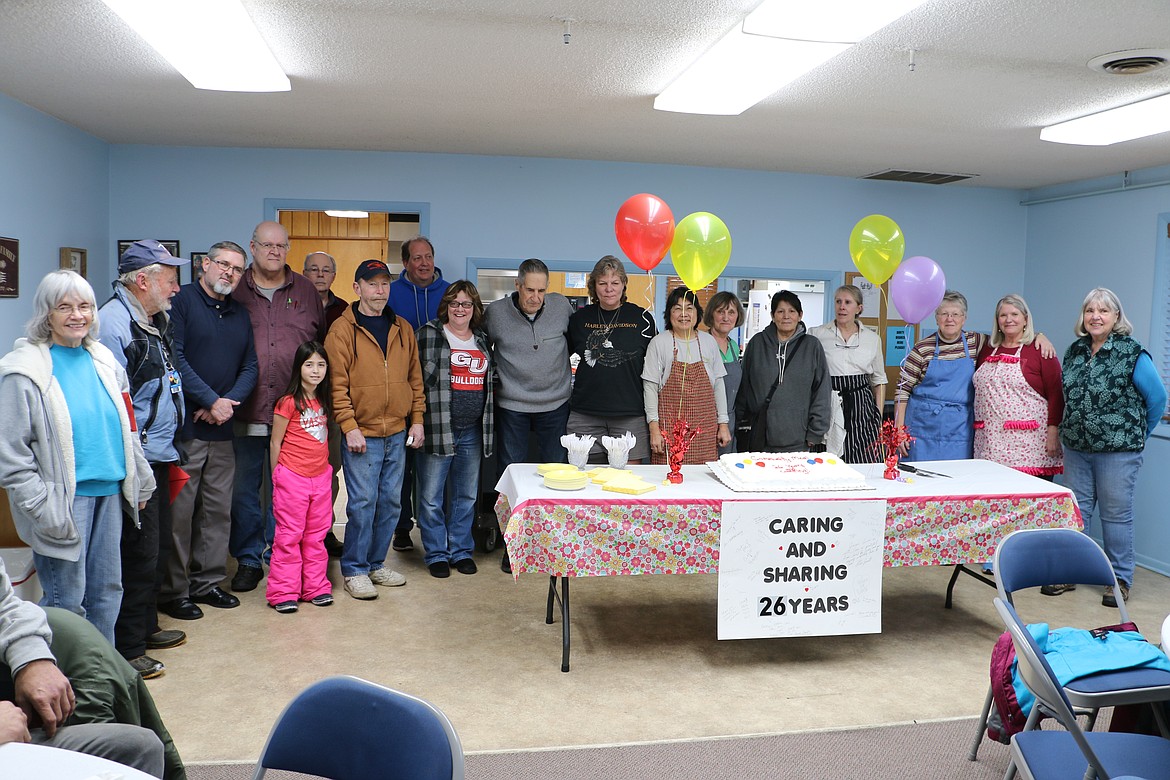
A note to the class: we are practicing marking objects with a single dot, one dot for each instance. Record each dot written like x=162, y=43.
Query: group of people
x=140, y=452
x=1005, y=397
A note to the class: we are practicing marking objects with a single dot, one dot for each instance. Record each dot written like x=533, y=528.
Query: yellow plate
x=546, y=468
x=555, y=482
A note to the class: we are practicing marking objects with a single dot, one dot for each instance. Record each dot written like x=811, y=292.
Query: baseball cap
x=146, y=252
x=369, y=269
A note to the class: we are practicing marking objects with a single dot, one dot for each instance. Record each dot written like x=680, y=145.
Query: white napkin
x=618, y=448
x=578, y=447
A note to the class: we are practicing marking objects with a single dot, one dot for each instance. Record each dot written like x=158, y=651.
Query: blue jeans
x=253, y=525
x=1103, y=482
x=373, y=481
x=513, y=429
x=92, y=585
x=448, y=538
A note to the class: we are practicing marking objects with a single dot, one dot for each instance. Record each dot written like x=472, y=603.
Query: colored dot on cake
x=811, y=461
x=820, y=460
x=739, y=465
x=760, y=463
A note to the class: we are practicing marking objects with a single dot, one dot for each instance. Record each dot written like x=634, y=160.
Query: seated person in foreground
x=39, y=705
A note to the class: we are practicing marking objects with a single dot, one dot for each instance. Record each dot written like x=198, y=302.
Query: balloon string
x=647, y=331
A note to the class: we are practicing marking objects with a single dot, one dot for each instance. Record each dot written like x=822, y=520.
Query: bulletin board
x=897, y=335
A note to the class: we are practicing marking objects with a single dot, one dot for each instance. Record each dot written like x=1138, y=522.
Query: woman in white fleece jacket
x=70, y=454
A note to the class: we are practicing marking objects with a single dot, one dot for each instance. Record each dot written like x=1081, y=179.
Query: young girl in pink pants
x=302, y=496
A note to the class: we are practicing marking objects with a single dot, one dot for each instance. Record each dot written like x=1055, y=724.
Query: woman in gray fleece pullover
x=781, y=354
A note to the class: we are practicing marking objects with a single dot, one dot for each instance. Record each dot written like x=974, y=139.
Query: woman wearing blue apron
x=941, y=408
x=935, y=398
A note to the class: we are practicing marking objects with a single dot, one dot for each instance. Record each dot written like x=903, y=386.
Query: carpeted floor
x=913, y=751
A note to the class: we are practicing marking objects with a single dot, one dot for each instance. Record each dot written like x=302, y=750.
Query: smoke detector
x=1130, y=62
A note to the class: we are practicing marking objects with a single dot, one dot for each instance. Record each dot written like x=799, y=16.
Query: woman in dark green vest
x=1114, y=400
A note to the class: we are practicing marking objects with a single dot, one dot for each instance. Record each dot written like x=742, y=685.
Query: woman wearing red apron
x=682, y=378
x=1019, y=400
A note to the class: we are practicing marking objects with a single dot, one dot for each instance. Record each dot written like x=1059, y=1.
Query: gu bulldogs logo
x=468, y=368
x=472, y=363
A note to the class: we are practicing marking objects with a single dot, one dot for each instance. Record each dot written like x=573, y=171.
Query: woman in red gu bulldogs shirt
x=458, y=427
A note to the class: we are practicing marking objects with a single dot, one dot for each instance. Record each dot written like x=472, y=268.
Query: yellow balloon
x=700, y=249
x=876, y=246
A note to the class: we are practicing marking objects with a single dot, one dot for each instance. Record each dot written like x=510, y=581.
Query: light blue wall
x=54, y=192
x=1106, y=240
x=563, y=210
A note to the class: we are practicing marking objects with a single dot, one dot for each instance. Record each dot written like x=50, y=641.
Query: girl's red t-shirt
x=305, y=448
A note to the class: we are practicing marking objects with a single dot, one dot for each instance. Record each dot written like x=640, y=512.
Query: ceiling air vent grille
x=919, y=177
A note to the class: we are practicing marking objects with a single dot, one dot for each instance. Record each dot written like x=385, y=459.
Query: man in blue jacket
x=136, y=328
x=216, y=355
x=414, y=296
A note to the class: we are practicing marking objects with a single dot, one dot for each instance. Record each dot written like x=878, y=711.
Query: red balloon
x=644, y=229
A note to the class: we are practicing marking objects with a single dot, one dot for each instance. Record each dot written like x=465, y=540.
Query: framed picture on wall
x=196, y=266
x=172, y=246
x=9, y=268
x=74, y=259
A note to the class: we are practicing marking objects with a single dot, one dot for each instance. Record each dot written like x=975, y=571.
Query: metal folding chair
x=1032, y=558
x=345, y=728
x=1053, y=755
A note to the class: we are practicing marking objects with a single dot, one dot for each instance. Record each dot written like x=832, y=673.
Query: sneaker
x=333, y=545
x=285, y=607
x=360, y=587
x=465, y=566
x=402, y=542
x=1109, y=599
x=439, y=569
x=148, y=667
x=387, y=576
x=247, y=578
x=165, y=639
x=324, y=600
x=1056, y=590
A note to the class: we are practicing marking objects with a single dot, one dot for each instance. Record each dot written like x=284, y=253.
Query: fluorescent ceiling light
x=740, y=71
x=347, y=214
x=1137, y=120
x=776, y=44
x=213, y=43
x=844, y=21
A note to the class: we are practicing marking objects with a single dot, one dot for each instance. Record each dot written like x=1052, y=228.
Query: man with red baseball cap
x=377, y=390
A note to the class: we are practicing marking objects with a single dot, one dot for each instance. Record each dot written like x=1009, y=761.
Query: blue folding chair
x=344, y=728
x=1036, y=557
x=1064, y=755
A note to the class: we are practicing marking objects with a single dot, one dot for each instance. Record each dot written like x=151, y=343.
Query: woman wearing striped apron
x=858, y=373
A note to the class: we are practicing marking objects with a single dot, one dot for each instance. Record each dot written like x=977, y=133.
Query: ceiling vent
x=1130, y=62
x=919, y=177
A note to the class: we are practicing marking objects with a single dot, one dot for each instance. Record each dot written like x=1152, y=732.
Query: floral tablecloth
x=675, y=530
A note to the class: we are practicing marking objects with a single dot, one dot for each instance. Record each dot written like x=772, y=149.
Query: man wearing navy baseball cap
x=377, y=391
x=137, y=329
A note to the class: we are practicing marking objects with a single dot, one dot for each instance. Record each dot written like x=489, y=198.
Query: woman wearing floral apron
x=682, y=378
x=1019, y=399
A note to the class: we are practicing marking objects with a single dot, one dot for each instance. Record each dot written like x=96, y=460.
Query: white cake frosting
x=787, y=472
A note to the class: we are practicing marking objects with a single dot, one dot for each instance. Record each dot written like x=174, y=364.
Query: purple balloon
x=917, y=288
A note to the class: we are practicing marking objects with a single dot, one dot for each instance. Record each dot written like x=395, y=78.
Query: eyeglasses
x=461, y=305
x=227, y=267
x=268, y=246
x=82, y=308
